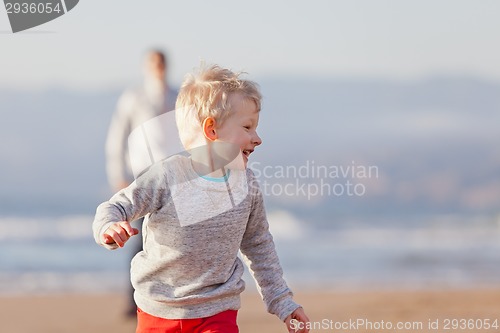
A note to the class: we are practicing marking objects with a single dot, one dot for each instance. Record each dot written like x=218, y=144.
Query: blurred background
x=397, y=101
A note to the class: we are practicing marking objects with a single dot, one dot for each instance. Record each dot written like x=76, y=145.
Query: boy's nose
x=257, y=140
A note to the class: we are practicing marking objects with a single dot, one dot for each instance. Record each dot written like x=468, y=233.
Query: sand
x=425, y=311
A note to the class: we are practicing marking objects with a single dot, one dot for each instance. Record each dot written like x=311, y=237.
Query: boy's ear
x=209, y=131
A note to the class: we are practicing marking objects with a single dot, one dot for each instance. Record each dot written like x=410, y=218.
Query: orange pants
x=224, y=322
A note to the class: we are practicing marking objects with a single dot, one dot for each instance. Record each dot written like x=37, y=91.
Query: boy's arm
x=143, y=196
x=258, y=248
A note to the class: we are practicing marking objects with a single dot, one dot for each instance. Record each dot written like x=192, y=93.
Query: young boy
x=200, y=212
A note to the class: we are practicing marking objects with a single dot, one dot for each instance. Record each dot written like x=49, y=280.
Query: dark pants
x=135, y=246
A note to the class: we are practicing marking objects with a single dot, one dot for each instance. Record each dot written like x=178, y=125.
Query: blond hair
x=206, y=94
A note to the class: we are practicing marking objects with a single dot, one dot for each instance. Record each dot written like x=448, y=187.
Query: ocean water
x=54, y=255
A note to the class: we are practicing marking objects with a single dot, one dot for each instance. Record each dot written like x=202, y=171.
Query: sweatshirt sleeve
x=260, y=253
x=145, y=195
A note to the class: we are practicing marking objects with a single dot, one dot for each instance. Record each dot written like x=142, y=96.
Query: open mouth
x=247, y=152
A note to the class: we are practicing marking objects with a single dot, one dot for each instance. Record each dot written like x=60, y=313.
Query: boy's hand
x=119, y=233
x=297, y=322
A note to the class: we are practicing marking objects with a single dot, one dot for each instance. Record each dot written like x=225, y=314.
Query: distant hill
x=434, y=144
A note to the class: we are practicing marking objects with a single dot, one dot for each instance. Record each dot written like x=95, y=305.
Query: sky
x=100, y=44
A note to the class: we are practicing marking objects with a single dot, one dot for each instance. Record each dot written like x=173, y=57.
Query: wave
x=47, y=255
x=29, y=228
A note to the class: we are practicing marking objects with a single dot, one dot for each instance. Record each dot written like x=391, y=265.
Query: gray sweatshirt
x=193, y=231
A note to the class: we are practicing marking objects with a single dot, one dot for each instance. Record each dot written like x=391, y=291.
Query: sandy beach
x=423, y=311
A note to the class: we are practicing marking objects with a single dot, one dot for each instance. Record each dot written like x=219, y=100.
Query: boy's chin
x=230, y=155
x=239, y=163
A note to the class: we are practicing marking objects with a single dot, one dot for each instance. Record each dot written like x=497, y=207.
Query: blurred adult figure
x=135, y=107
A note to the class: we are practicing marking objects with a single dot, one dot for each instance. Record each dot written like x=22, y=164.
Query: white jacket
x=134, y=108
